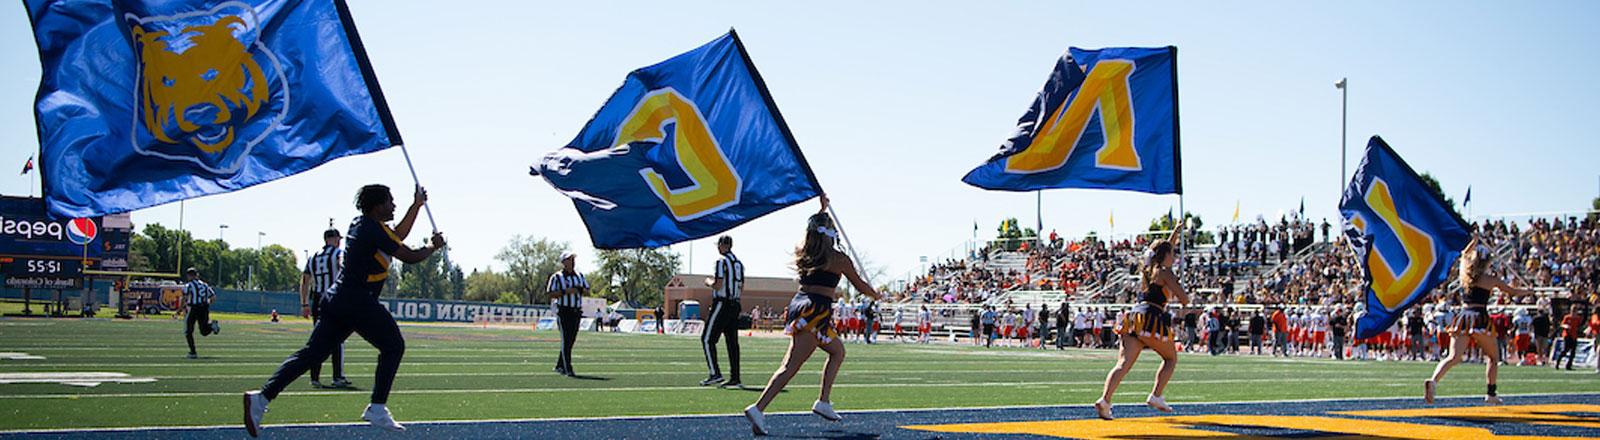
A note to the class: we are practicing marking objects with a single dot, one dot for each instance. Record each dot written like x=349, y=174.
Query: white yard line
x=705, y=416
x=672, y=388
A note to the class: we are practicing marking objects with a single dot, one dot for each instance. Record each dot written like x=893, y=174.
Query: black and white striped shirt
x=731, y=272
x=198, y=292
x=324, y=268
x=560, y=282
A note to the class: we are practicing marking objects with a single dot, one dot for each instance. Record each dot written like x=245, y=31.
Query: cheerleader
x=1471, y=323
x=820, y=266
x=1148, y=325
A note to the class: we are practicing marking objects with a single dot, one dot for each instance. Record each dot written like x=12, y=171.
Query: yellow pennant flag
x=1112, y=219
x=1235, y=211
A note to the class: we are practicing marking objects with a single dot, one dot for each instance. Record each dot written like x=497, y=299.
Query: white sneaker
x=1427, y=391
x=378, y=416
x=255, y=408
x=1492, y=400
x=1159, y=403
x=758, y=421
x=825, y=410
x=1103, y=409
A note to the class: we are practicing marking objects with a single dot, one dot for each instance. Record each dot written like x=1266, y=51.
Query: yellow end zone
x=1185, y=427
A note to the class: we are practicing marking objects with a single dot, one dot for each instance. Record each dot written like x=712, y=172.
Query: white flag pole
x=414, y=179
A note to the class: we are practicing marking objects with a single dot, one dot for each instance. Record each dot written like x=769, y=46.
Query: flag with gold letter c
x=1106, y=119
x=1405, y=236
x=685, y=149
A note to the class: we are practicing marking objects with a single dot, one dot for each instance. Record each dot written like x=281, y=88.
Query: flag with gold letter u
x=1107, y=119
x=1406, y=237
x=685, y=149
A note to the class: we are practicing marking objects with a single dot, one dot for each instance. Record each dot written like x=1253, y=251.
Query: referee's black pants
x=340, y=317
x=338, y=354
x=724, y=321
x=198, y=314
x=567, y=319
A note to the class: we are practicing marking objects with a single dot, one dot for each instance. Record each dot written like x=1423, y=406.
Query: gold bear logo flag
x=1407, y=237
x=149, y=102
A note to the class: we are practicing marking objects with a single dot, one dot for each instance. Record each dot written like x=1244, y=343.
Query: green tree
x=489, y=286
x=1010, y=236
x=1594, y=209
x=155, y=249
x=1166, y=223
x=1438, y=191
x=429, y=278
x=275, y=268
x=529, y=262
x=640, y=275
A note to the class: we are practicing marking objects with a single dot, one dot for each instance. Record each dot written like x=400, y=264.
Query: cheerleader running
x=1148, y=325
x=808, y=324
x=1471, y=324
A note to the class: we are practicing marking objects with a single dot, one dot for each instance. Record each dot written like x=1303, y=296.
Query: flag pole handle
x=414, y=179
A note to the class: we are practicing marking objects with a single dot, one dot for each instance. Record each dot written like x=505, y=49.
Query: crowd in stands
x=1303, y=295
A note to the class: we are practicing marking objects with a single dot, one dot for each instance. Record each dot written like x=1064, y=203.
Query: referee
x=725, y=288
x=197, y=298
x=321, y=271
x=566, y=290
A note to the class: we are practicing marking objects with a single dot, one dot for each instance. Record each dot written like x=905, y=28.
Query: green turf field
x=471, y=373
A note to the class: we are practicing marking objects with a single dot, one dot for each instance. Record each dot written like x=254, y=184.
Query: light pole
x=1344, y=126
x=253, y=264
x=220, y=230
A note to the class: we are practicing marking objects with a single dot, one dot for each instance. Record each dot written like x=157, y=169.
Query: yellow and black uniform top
x=368, y=249
x=1155, y=294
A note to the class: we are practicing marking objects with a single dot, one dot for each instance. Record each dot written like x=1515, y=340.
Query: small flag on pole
x=28, y=166
x=1112, y=219
x=1236, y=211
x=1468, y=199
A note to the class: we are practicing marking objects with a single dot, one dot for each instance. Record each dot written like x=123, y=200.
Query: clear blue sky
x=894, y=101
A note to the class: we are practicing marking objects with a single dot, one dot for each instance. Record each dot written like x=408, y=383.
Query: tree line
x=634, y=275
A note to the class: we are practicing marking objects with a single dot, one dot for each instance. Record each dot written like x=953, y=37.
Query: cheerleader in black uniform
x=1473, y=320
x=1149, y=325
x=809, y=317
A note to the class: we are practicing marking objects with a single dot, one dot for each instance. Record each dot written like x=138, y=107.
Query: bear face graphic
x=203, y=93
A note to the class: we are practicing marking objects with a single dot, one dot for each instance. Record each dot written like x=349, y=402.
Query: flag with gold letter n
x=145, y=102
x=685, y=149
x=1106, y=119
x=1405, y=236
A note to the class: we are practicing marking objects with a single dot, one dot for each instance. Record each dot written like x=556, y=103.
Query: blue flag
x=1107, y=119
x=149, y=102
x=1406, y=237
x=685, y=149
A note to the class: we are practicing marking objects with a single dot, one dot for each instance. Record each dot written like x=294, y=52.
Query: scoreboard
x=37, y=251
